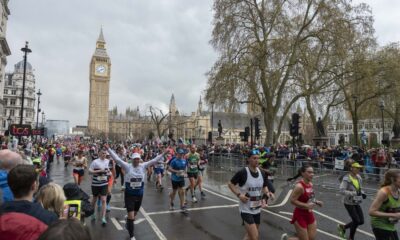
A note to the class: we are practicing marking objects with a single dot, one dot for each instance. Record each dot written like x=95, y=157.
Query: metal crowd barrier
x=326, y=171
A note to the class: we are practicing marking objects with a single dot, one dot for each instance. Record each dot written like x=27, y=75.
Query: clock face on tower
x=100, y=69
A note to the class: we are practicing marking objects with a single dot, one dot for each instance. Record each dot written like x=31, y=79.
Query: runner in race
x=134, y=184
x=303, y=198
x=100, y=169
x=79, y=165
x=159, y=171
x=193, y=159
x=118, y=170
x=111, y=181
x=385, y=209
x=351, y=188
x=177, y=167
x=250, y=186
x=202, y=167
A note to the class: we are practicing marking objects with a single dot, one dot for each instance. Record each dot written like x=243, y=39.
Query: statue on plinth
x=219, y=129
x=320, y=128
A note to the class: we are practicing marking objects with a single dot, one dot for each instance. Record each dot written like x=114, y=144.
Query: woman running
x=303, y=198
x=80, y=164
x=351, y=188
x=134, y=184
x=385, y=209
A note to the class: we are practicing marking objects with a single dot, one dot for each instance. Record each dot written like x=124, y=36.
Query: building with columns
x=4, y=52
x=99, y=77
x=12, y=95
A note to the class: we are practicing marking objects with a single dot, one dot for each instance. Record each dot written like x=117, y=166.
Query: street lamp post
x=382, y=107
x=212, y=121
x=38, y=109
x=42, y=119
x=26, y=50
x=356, y=121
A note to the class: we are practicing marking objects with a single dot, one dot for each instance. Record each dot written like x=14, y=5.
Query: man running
x=134, y=184
x=177, y=166
x=251, y=187
x=193, y=159
x=100, y=169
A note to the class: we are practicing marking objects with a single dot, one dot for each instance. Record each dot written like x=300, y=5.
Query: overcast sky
x=157, y=47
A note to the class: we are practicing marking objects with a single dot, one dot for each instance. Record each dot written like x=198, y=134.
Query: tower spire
x=101, y=36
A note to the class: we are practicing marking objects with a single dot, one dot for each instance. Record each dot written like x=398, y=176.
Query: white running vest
x=253, y=187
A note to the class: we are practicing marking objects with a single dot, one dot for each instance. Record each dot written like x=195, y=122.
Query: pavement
x=217, y=215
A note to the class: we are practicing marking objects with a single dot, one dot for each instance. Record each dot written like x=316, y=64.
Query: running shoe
x=93, y=217
x=133, y=238
x=184, y=209
x=194, y=199
x=171, y=206
x=104, y=221
x=203, y=195
x=284, y=236
x=341, y=231
x=108, y=208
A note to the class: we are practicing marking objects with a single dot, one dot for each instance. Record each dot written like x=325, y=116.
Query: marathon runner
x=385, y=209
x=177, y=167
x=100, y=169
x=351, y=188
x=111, y=181
x=193, y=159
x=134, y=184
x=80, y=164
x=202, y=167
x=252, y=192
x=159, y=171
x=303, y=198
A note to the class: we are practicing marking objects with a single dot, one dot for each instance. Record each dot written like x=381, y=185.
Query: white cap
x=135, y=155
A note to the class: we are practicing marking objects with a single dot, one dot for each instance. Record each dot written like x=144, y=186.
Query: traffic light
x=295, y=125
x=257, y=127
x=246, y=134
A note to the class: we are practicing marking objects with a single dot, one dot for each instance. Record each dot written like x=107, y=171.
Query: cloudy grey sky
x=157, y=47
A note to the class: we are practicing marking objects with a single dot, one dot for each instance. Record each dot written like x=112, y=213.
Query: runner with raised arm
x=134, y=184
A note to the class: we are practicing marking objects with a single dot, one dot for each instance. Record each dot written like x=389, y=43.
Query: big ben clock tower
x=100, y=67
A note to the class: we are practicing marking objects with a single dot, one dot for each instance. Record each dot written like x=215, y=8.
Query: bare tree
x=158, y=118
x=260, y=43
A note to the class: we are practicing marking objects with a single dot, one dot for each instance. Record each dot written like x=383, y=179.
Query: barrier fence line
x=287, y=167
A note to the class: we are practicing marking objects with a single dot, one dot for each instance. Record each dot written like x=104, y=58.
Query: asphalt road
x=216, y=216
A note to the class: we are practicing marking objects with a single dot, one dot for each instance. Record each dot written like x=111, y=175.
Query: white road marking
x=336, y=220
x=116, y=224
x=318, y=230
x=137, y=221
x=275, y=214
x=118, y=208
x=158, y=232
x=286, y=213
x=193, y=209
x=323, y=175
x=285, y=200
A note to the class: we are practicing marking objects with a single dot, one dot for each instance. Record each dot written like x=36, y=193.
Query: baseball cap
x=356, y=165
x=253, y=152
x=135, y=155
x=181, y=151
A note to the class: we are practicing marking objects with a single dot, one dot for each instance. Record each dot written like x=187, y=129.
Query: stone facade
x=4, y=52
x=12, y=97
x=100, y=70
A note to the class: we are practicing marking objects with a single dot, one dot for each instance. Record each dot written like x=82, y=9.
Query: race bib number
x=102, y=178
x=136, y=183
x=357, y=198
x=193, y=166
x=271, y=177
x=255, y=204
